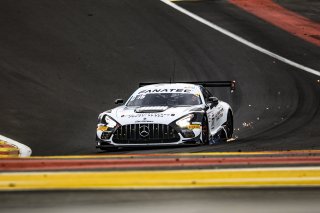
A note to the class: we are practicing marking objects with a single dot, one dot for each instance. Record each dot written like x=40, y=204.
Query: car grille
x=145, y=133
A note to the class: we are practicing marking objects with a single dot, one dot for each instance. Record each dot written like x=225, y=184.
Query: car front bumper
x=182, y=142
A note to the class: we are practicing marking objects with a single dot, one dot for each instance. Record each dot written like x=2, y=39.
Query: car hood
x=159, y=115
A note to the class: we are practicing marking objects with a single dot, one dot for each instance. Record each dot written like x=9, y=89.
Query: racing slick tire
x=205, y=131
x=224, y=134
x=229, y=125
x=111, y=148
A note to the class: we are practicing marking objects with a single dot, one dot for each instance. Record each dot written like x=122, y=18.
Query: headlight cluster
x=110, y=122
x=107, y=125
x=186, y=126
x=185, y=122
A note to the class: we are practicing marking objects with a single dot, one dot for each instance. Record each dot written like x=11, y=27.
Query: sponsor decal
x=194, y=126
x=102, y=128
x=219, y=114
x=143, y=121
x=154, y=115
x=165, y=91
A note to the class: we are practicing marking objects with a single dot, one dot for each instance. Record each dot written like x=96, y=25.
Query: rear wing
x=230, y=84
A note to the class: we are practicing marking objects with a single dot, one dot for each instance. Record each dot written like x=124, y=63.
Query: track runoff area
x=161, y=171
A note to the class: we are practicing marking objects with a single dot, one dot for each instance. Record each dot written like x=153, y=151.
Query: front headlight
x=110, y=122
x=185, y=121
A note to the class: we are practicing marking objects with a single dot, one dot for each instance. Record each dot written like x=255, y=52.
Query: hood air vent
x=151, y=109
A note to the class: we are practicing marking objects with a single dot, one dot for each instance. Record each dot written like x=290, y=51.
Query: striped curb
x=7, y=150
x=181, y=154
x=283, y=18
x=176, y=179
x=154, y=163
x=11, y=148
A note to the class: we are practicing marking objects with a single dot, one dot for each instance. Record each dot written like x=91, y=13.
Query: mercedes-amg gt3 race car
x=167, y=114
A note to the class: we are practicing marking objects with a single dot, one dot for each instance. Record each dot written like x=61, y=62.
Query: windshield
x=164, y=99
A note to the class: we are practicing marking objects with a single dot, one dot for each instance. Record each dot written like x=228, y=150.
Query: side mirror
x=118, y=101
x=214, y=101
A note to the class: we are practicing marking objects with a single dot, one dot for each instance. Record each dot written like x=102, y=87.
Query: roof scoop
x=151, y=109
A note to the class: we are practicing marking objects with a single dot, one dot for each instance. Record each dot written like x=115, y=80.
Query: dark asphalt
x=64, y=61
x=188, y=201
x=307, y=8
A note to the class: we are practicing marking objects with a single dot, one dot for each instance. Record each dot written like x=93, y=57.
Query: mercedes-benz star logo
x=144, y=131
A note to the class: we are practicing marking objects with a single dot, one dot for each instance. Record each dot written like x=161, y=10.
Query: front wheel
x=229, y=125
x=110, y=149
x=205, y=130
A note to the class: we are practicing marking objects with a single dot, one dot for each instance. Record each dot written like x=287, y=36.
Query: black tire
x=220, y=137
x=110, y=149
x=205, y=130
x=229, y=125
x=105, y=148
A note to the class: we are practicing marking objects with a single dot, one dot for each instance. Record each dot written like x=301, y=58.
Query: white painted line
x=240, y=39
x=24, y=151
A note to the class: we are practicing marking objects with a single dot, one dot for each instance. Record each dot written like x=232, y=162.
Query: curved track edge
x=163, y=171
x=12, y=148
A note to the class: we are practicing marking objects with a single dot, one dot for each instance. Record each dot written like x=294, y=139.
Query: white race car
x=166, y=114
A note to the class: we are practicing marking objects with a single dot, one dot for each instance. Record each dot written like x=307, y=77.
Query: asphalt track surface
x=188, y=201
x=64, y=62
